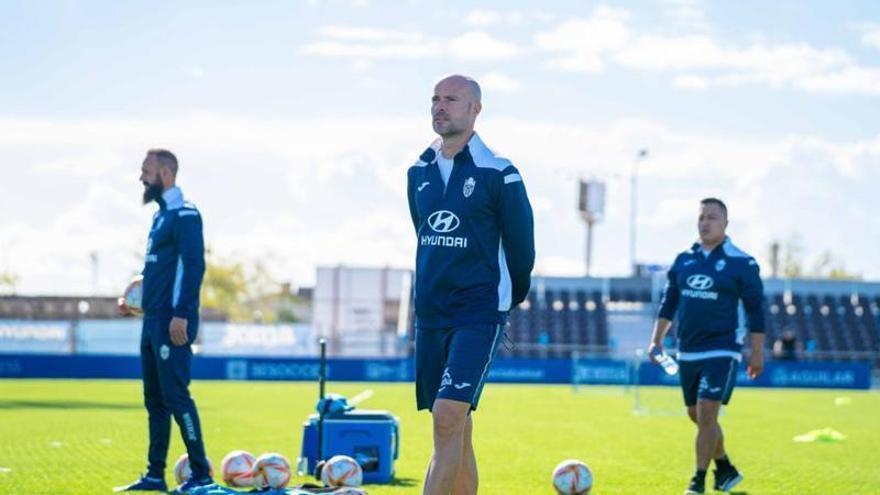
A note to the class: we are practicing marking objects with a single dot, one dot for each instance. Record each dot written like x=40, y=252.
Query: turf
x=83, y=437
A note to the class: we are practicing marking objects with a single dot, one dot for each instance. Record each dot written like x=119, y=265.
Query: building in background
x=369, y=309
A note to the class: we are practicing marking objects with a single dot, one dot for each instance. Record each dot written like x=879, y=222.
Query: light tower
x=591, y=205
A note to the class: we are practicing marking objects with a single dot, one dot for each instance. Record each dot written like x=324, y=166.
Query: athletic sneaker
x=697, y=486
x=144, y=484
x=726, y=479
x=191, y=484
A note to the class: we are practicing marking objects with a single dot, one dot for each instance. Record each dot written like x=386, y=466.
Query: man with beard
x=475, y=253
x=172, y=277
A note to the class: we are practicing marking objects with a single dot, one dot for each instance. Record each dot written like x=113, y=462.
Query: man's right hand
x=654, y=349
x=124, y=310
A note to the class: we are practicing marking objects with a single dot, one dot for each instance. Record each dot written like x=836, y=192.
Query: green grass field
x=83, y=437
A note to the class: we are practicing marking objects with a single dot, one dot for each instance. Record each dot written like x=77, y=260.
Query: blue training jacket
x=476, y=241
x=704, y=293
x=175, y=260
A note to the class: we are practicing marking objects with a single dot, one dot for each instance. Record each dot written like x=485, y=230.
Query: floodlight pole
x=590, y=223
x=633, y=209
x=591, y=205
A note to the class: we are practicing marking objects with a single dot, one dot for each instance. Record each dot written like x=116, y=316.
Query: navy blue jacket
x=476, y=241
x=175, y=260
x=704, y=293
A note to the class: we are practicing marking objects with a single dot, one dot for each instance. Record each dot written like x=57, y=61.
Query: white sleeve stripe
x=186, y=213
x=512, y=178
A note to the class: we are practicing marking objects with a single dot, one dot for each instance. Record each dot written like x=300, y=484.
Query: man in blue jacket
x=705, y=287
x=172, y=276
x=475, y=238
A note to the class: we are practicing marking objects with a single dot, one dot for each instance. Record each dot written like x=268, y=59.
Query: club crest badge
x=164, y=352
x=720, y=265
x=469, y=185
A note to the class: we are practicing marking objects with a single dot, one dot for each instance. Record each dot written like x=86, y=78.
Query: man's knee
x=450, y=417
x=692, y=413
x=707, y=413
x=177, y=401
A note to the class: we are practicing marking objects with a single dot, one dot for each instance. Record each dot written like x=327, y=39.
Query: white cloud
x=484, y=18
x=308, y=198
x=689, y=82
x=584, y=42
x=365, y=44
x=360, y=51
x=480, y=45
x=689, y=14
x=699, y=61
x=864, y=80
x=870, y=33
x=872, y=38
x=773, y=65
x=362, y=44
x=496, y=81
x=368, y=34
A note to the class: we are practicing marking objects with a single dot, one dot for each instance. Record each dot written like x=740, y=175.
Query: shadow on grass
x=739, y=493
x=63, y=404
x=407, y=482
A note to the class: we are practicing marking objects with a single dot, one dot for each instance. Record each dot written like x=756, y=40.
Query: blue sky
x=295, y=122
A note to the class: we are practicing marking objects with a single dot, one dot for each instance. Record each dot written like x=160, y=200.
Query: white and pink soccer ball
x=271, y=471
x=572, y=477
x=237, y=468
x=182, y=471
x=342, y=470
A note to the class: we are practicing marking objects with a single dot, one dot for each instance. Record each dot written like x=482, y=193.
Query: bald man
x=475, y=253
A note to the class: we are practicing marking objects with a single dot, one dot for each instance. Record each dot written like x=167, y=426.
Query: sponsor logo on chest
x=443, y=222
x=698, y=286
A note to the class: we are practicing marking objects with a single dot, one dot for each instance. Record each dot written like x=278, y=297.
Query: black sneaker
x=697, y=486
x=144, y=484
x=726, y=479
x=191, y=486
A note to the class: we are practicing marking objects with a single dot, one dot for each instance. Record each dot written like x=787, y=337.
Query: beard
x=445, y=127
x=152, y=191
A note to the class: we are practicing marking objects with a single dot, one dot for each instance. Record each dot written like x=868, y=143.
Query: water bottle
x=665, y=361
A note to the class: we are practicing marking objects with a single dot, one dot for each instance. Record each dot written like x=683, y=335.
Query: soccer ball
x=134, y=294
x=271, y=471
x=342, y=470
x=237, y=468
x=572, y=477
x=182, y=471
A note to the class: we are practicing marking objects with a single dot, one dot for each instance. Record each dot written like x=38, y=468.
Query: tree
x=8, y=282
x=792, y=256
x=246, y=291
x=826, y=266
x=224, y=287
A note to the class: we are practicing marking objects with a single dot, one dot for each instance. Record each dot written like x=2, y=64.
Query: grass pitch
x=86, y=436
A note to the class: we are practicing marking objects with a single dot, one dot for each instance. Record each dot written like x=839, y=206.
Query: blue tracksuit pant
x=166, y=374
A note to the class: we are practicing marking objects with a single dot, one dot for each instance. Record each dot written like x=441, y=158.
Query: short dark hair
x=166, y=159
x=715, y=201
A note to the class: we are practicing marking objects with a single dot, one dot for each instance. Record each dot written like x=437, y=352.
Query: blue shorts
x=708, y=379
x=452, y=363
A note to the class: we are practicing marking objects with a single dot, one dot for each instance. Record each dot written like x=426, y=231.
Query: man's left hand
x=756, y=364
x=177, y=331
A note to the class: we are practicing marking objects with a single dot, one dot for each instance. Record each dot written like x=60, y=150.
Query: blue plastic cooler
x=372, y=438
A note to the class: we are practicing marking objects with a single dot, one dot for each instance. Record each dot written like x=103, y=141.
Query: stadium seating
x=553, y=323
x=831, y=327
